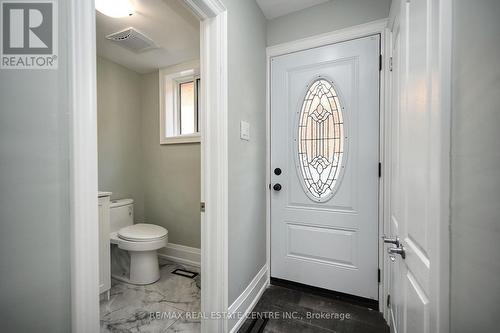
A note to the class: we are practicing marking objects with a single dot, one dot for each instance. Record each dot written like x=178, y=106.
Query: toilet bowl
x=141, y=240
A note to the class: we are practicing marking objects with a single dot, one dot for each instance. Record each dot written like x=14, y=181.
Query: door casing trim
x=363, y=30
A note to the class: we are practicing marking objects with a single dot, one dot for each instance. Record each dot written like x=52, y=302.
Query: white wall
x=475, y=225
x=326, y=17
x=34, y=201
x=246, y=101
x=119, y=133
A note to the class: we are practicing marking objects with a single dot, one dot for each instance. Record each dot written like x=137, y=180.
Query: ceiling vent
x=132, y=40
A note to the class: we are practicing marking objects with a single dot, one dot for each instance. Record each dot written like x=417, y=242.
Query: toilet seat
x=142, y=232
x=140, y=237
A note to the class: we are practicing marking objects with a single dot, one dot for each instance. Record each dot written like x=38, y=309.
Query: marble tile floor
x=279, y=301
x=174, y=297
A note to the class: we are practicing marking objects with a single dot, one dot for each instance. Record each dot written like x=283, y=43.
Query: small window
x=180, y=104
x=188, y=106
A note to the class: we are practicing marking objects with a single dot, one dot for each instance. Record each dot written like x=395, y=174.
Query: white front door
x=416, y=178
x=324, y=166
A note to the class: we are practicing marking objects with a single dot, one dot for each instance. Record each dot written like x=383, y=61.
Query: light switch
x=244, y=130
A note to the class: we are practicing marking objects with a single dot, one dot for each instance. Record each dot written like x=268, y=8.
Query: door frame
x=83, y=164
x=363, y=30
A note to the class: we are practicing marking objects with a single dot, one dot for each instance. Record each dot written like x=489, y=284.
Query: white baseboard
x=181, y=254
x=247, y=300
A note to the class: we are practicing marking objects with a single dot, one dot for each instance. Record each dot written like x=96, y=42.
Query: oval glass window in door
x=321, y=141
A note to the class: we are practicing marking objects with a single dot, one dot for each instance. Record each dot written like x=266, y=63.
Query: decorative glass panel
x=321, y=140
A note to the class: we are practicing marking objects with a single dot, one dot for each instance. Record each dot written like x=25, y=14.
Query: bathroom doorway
x=180, y=260
x=149, y=166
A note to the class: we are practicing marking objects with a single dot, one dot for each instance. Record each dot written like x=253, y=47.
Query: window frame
x=170, y=79
x=195, y=79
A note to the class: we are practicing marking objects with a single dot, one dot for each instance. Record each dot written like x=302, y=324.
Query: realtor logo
x=29, y=35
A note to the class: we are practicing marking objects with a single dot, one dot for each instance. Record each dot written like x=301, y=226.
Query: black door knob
x=277, y=187
x=277, y=171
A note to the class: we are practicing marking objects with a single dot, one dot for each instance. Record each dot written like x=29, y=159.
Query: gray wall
x=330, y=16
x=34, y=203
x=247, y=187
x=164, y=180
x=119, y=133
x=172, y=174
x=475, y=225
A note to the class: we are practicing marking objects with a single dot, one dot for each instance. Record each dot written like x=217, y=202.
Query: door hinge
x=388, y=300
x=390, y=64
x=202, y=207
x=379, y=170
x=378, y=276
x=380, y=63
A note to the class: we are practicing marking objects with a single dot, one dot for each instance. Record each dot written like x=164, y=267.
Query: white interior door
x=395, y=275
x=416, y=178
x=324, y=160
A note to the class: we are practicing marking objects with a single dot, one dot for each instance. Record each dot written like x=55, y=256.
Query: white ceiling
x=276, y=8
x=167, y=22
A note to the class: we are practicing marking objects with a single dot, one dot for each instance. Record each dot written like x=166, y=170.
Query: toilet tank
x=121, y=214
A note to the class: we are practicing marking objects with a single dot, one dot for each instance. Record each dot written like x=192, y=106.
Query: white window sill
x=187, y=138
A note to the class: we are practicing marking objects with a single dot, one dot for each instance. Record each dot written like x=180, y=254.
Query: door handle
x=397, y=250
x=277, y=187
x=391, y=240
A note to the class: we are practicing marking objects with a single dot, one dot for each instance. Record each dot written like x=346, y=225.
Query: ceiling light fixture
x=115, y=8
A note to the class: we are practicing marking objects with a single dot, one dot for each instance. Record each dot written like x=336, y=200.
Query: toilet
x=141, y=240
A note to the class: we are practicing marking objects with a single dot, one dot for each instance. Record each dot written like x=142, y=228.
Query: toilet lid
x=142, y=232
